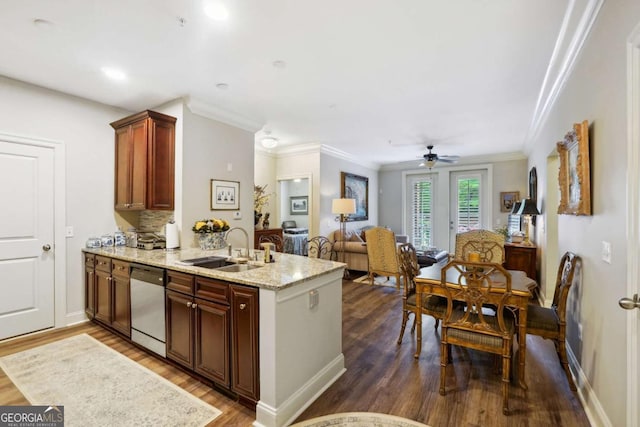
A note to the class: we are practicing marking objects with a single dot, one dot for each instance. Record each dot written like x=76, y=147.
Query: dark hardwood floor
x=381, y=376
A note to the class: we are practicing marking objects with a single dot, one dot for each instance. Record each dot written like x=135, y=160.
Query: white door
x=26, y=238
x=633, y=230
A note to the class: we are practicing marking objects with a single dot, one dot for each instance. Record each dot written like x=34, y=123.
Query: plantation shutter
x=422, y=212
x=468, y=215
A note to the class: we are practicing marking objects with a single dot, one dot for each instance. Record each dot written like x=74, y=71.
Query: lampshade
x=343, y=206
x=516, y=208
x=528, y=207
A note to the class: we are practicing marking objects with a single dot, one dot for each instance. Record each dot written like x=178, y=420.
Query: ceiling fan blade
x=447, y=160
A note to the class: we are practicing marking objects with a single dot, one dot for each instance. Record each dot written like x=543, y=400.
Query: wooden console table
x=521, y=257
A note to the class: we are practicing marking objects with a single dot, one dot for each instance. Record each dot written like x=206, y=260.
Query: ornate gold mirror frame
x=575, y=175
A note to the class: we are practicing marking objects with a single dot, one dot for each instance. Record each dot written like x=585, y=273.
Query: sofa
x=355, y=249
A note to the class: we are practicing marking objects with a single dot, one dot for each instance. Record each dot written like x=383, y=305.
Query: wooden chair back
x=488, y=244
x=277, y=240
x=320, y=247
x=478, y=285
x=564, y=280
x=382, y=253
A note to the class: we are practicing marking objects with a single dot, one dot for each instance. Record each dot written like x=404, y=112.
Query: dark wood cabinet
x=521, y=257
x=145, y=161
x=198, y=329
x=112, y=297
x=244, y=341
x=103, y=290
x=121, y=285
x=90, y=285
x=273, y=235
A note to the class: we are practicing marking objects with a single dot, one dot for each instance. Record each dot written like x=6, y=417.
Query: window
x=468, y=212
x=421, y=196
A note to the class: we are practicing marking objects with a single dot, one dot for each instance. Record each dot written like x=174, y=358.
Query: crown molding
x=562, y=63
x=317, y=148
x=220, y=114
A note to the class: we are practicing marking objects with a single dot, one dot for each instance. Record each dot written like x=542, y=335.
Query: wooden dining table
x=428, y=282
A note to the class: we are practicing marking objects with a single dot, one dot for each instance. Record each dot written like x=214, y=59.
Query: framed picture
x=575, y=175
x=508, y=199
x=225, y=195
x=299, y=205
x=356, y=187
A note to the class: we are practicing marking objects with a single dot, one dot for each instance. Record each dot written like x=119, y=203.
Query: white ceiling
x=464, y=75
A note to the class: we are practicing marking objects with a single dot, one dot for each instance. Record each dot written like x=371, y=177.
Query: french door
x=469, y=204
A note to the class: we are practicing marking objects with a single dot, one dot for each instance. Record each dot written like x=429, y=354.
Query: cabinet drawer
x=212, y=290
x=89, y=260
x=181, y=282
x=103, y=264
x=120, y=268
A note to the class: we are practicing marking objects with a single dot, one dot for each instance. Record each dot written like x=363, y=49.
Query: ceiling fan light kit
x=430, y=159
x=269, y=142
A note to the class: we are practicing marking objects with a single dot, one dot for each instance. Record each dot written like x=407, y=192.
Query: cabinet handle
x=194, y=306
x=189, y=304
x=243, y=306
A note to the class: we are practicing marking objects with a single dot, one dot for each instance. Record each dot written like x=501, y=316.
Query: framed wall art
x=575, y=174
x=356, y=187
x=225, y=195
x=299, y=205
x=508, y=199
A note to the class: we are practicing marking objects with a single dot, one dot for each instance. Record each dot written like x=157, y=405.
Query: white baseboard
x=285, y=414
x=71, y=319
x=592, y=407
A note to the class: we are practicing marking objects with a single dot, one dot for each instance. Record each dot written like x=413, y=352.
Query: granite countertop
x=286, y=270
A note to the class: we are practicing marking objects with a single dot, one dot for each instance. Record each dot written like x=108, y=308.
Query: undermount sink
x=218, y=263
x=235, y=268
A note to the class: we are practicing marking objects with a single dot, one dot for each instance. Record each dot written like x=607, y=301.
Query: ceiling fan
x=430, y=159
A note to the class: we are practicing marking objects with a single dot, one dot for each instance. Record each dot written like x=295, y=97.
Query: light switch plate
x=68, y=231
x=606, y=251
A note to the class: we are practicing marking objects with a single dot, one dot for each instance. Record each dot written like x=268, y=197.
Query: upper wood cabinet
x=145, y=161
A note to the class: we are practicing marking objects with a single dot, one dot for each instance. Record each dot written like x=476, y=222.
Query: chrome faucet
x=246, y=235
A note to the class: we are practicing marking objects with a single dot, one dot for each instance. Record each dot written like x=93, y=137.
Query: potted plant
x=210, y=233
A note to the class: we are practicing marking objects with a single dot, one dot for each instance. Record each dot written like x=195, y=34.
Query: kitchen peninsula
x=299, y=328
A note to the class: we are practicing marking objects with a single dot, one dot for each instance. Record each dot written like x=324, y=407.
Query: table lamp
x=527, y=208
x=343, y=207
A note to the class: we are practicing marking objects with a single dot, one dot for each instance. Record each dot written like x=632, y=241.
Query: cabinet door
x=244, y=341
x=212, y=341
x=89, y=286
x=161, y=164
x=103, y=296
x=121, y=304
x=131, y=166
x=180, y=325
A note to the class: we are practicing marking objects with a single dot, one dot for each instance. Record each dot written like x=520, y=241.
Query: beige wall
x=596, y=91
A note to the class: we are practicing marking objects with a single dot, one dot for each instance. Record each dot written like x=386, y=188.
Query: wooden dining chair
x=488, y=244
x=320, y=247
x=432, y=305
x=276, y=239
x=382, y=254
x=478, y=284
x=550, y=323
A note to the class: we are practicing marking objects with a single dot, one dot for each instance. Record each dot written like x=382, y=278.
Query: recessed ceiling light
x=279, y=64
x=222, y=86
x=215, y=10
x=114, y=73
x=42, y=23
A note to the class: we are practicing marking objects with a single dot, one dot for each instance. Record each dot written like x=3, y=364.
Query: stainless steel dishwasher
x=147, y=308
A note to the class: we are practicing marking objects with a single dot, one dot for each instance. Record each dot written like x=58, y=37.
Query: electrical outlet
x=314, y=298
x=606, y=252
x=580, y=331
x=68, y=231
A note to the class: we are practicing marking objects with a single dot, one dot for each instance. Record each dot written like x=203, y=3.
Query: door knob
x=46, y=247
x=628, y=303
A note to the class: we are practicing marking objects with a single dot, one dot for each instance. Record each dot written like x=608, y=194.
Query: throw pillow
x=355, y=238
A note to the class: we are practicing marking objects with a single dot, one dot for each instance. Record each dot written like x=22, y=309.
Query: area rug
x=99, y=386
x=359, y=419
x=378, y=280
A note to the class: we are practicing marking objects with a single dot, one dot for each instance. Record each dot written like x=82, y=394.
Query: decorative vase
x=213, y=240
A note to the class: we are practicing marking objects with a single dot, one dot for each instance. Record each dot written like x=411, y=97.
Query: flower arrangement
x=213, y=225
x=260, y=197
